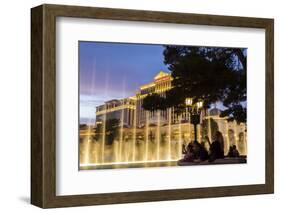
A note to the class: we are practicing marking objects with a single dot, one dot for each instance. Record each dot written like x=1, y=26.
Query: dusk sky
x=114, y=71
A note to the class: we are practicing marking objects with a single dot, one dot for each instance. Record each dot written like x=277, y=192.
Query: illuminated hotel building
x=131, y=108
x=123, y=109
x=162, y=83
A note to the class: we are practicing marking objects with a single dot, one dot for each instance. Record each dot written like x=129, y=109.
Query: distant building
x=123, y=109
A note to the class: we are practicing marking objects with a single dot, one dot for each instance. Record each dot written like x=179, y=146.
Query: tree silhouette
x=205, y=127
x=207, y=73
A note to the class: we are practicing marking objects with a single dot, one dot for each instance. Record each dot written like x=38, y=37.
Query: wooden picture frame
x=43, y=105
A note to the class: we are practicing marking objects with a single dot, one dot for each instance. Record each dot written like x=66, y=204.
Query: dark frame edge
x=37, y=190
x=155, y=16
x=43, y=100
x=269, y=105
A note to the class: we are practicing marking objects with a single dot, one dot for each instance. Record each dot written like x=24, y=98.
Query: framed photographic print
x=136, y=106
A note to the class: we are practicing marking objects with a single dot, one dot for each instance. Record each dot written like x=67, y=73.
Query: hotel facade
x=130, y=109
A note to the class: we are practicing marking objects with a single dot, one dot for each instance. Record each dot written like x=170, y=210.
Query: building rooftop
x=160, y=75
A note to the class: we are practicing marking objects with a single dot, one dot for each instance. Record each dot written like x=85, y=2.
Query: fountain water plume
x=244, y=140
x=103, y=138
x=209, y=127
x=169, y=136
x=86, y=154
x=104, y=122
x=189, y=127
x=146, y=135
x=227, y=136
x=180, y=137
x=199, y=133
x=87, y=146
x=235, y=133
x=158, y=136
x=121, y=135
x=134, y=137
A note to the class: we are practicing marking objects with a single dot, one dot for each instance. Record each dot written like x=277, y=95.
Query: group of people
x=198, y=151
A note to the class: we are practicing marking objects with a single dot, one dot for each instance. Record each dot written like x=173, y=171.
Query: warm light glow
x=200, y=104
x=146, y=86
x=124, y=162
x=116, y=108
x=188, y=101
x=158, y=136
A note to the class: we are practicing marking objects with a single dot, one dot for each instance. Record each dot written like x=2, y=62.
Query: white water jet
x=209, y=127
x=104, y=122
x=103, y=138
x=121, y=135
x=227, y=137
x=158, y=136
x=87, y=147
x=146, y=135
x=86, y=157
x=235, y=133
x=180, y=138
x=169, y=136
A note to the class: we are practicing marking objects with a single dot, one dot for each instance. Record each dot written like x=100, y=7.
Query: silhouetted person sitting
x=203, y=152
x=196, y=148
x=216, y=148
x=189, y=153
x=219, y=138
x=233, y=152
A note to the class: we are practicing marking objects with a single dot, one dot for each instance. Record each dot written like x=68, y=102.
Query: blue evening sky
x=114, y=71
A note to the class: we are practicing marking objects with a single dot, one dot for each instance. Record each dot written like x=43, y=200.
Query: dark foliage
x=204, y=73
x=205, y=127
x=83, y=126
